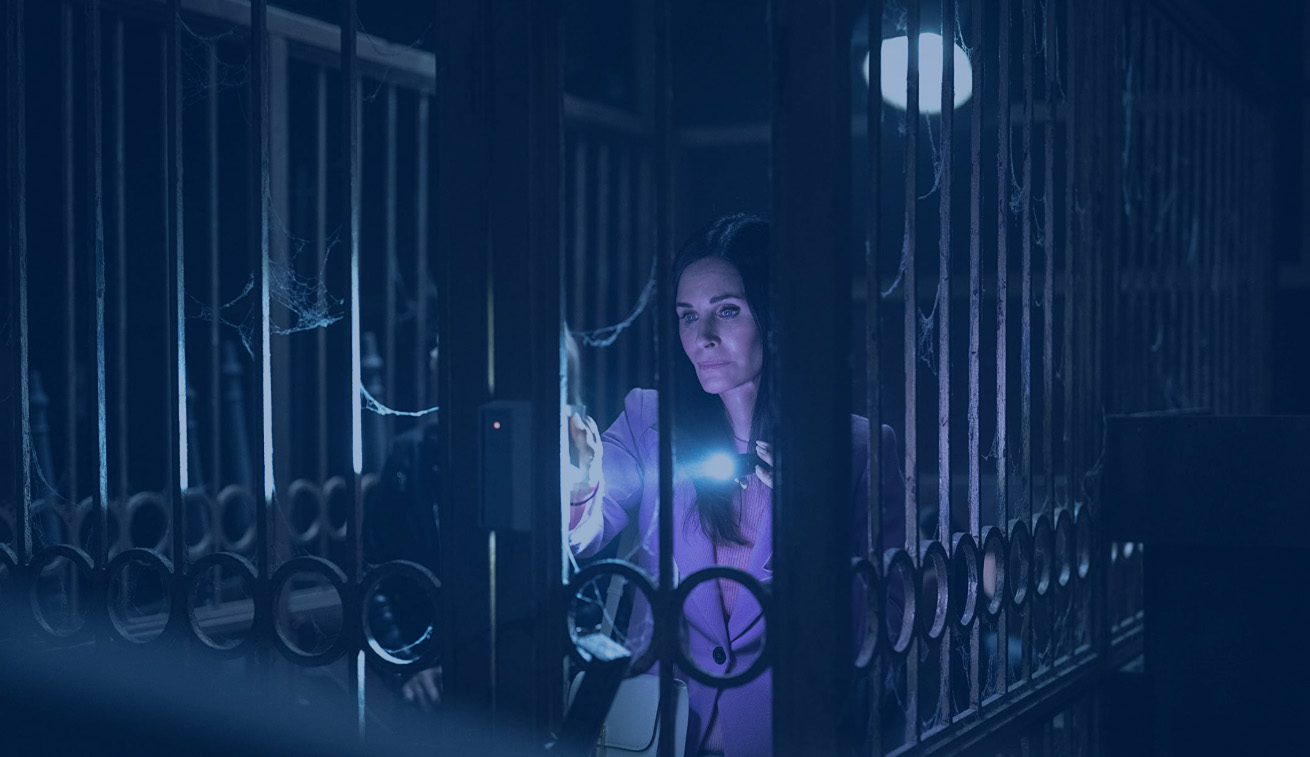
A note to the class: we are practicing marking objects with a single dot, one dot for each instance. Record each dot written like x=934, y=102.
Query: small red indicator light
x=495, y=425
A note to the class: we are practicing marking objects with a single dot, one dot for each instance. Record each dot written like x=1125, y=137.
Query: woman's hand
x=765, y=452
x=585, y=438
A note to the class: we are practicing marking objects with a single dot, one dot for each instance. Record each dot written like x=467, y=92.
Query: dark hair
x=700, y=422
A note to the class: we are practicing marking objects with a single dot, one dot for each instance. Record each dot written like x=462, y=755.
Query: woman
x=720, y=278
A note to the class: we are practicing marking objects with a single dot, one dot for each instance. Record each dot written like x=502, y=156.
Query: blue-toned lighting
x=720, y=466
x=895, y=69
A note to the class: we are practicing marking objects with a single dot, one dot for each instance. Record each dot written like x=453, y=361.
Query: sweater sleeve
x=623, y=476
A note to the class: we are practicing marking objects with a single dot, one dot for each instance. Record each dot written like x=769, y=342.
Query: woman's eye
x=729, y=311
x=687, y=317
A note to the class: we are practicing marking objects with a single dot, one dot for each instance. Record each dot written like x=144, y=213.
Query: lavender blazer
x=631, y=491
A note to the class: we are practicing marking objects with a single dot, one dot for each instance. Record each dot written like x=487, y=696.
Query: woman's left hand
x=765, y=452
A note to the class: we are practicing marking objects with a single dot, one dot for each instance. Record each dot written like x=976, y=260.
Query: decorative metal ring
x=135, y=505
x=332, y=488
x=909, y=586
x=1043, y=554
x=1019, y=561
x=80, y=559
x=933, y=625
x=235, y=564
x=751, y=584
x=1083, y=539
x=641, y=581
x=148, y=559
x=1064, y=547
x=995, y=543
x=304, y=488
x=82, y=523
x=227, y=498
x=334, y=575
x=966, y=575
x=872, y=621
x=199, y=498
x=431, y=588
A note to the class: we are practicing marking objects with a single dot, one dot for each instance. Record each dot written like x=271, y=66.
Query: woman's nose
x=708, y=334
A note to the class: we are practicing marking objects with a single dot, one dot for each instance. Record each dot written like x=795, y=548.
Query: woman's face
x=717, y=327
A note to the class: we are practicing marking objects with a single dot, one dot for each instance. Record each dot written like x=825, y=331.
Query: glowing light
x=495, y=425
x=720, y=466
x=895, y=58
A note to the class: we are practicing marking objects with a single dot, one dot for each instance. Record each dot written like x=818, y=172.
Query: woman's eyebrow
x=715, y=299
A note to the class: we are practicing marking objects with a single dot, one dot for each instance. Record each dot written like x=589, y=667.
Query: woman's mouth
x=711, y=365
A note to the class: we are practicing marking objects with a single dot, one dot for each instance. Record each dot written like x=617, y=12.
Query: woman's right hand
x=584, y=435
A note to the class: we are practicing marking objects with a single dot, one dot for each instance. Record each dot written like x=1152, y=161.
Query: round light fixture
x=895, y=69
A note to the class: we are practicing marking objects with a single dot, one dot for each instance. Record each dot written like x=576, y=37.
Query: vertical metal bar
x=1153, y=241
x=176, y=256
x=810, y=189
x=73, y=461
x=1025, y=317
x=390, y=356
x=215, y=346
x=1070, y=360
x=646, y=330
x=1127, y=353
x=1111, y=169
x=460, y=208
x=1170, y=318
x=16, y=147
x=1187, y=228
x=944, y=334
x=1092, y=236
x=911, y=355
x=1252, y=255
x=258, y=175
x=1086, y=207
x=975, y=333
x=1239, y=270
x=1002, y=297
x=873, y=282
x=422, y=370
x=1072, y=168
x=1227, y=242
x=602, y=287
x=1201, y=128
x=350, y=180
x=1049, y=52
x=120, y=248
x=1218, y=172
x=524, y=226
x=626, y=286
x=96, y=236
x=580, y=258
x=873, y=338
x=581, y=263
x=1258, y=275
x=321, y=253
x=666, y=340
x=1214, y=124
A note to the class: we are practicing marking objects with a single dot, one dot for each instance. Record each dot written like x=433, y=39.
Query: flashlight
x=722, y=466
